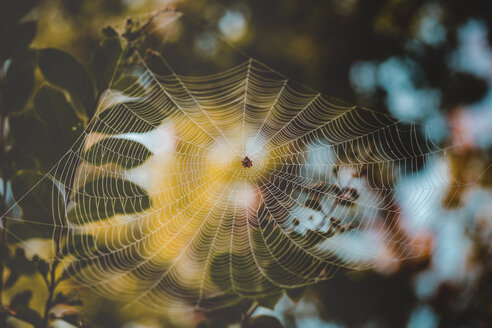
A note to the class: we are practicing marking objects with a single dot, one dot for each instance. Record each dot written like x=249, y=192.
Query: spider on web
x=246, y=162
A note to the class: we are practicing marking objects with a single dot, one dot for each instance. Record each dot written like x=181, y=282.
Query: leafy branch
x=36, y=132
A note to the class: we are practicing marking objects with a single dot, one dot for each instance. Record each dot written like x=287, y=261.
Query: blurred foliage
x=37, y=132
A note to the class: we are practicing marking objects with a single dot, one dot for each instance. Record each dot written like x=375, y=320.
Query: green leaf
x=71, y=298
x=64, y=71
x=21, y=299
x=157, y=64
x=41, y=202
x=284, y=268
x=313, y=238
x=124, y=152
x=313, y=204
x=31, y=136
x=64, y=126
x=78, y=244
x=109, y=32
x=295, y=294
x=29, y=315
x=220, y=271
x=105, y=61
x=347, y=197
x=105, y=197
x=19, y=82
x=230, y=268
x=130, y=86
x=16, y=160
x=265, y=321
x=43, y=267
x=73, y=268
x=12, y=279
x=270, y=301
x=128, y=117
x=74, y=319
x=20, y=263
x=4, y=253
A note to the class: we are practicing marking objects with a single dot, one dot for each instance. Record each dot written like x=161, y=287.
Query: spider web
x=163, y=213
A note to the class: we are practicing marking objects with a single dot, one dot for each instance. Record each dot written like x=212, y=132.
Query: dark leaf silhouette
x=105, y=61
x=124, y=152
x=19, y=82
x=64, y=71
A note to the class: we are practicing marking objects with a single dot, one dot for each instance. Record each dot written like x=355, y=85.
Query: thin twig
x=53, y=281
x=248, y=314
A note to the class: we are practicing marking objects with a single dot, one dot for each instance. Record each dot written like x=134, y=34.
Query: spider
x=246, y=162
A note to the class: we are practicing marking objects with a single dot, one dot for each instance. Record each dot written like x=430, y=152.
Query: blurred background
x=425, y=61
